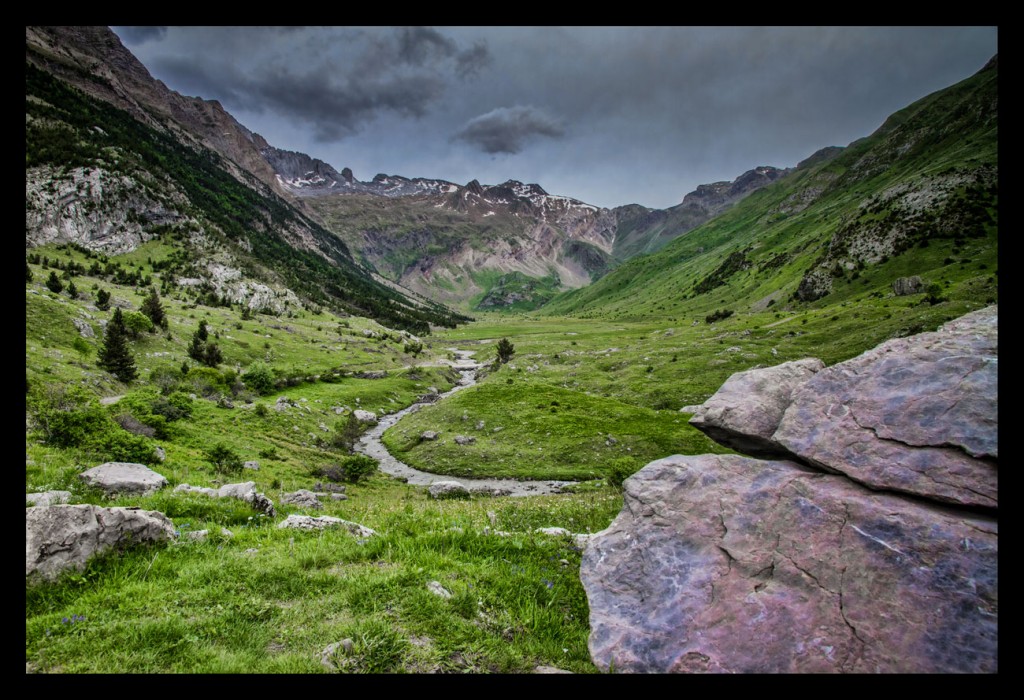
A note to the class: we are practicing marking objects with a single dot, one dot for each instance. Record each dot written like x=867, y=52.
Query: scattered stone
x=553, y=531
x=490, y=491
x=226, y=533
x=60, y=538
x=309, y=522
x=197, y=535
x=465, y=440
x=479, y=425
x=123, y=477
x=244, y=491
x=252, y=464
x=159, y=453
x=447, y=489
x=225, y=402
x=611, y=441
x=329, y=487
x=186, y=488
x=374, y=374
x=84, y=328
x=365, y=416
x=339, y=497
x=436, y=588
x=428, y=435
x=328, y=657
x=47, y=498
x=303, y=499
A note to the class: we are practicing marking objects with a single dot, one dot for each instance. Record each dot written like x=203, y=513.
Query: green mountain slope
x=98, y=177
x=916, y=198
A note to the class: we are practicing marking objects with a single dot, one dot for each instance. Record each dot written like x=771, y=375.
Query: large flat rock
x=123, y=477
x=917, y=415
x=722, y=563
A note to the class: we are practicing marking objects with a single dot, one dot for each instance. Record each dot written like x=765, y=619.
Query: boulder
x=61, y=538
x=465, y=440
x=252, y=464
x=722, y=563
x=917, y=415
x=302, y=498
x=365, y=416
x=84, y=328
x=745, y=412
x=905, y=286
x=308, y=522
x=447, y=489
x=47, y=498
x=428, y=435
x=123, y=477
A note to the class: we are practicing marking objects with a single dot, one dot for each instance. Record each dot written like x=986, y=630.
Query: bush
x=350, y=469
x=205, y=381
x=620, y=469
x=225, y=460
x=136, y=324
x=259, y=378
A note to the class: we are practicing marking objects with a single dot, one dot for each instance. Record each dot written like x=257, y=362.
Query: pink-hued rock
x=745, y=412
x=722, y=563
x=917, y=415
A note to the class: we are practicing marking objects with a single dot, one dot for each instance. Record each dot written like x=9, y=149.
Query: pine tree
x=28, y=273
x=152, y=308
x=54, y=284
x=102, y=299
x=115, y=356
x=73, y=290
x=505, y=350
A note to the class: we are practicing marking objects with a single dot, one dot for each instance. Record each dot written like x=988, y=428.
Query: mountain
x=116, y=162
x=505, y=246
x=917, y=201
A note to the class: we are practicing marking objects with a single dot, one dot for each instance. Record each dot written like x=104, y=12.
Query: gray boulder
x=722, y=563
x=47, y=498
x=302, y=498
x=309, y=522
x=123, y=477
x=252, y=464
x=465, y=439
x=84, y=328
x=447, y=489
x=365, y=416
x=62, y=538
x=428, y=435
x=905, y=286
x=745, y=412
x=917, y=415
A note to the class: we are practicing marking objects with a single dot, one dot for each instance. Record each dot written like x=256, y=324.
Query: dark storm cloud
x=470, y=62
x=345, y=78
x=140, y=35
x=507, y=129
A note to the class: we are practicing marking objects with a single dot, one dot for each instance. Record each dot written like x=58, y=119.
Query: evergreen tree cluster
x=202, y=350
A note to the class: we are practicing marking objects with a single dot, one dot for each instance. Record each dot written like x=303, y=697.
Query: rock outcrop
x=60, y=538
x=872, y=549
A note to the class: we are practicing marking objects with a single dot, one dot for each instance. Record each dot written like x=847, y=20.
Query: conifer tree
x=152, y=308
x=72, y=290
x=115, y=356
x=102, y=299
x=54, y=284
x=28, y=273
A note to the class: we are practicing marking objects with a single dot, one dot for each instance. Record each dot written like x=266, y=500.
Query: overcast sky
x=607, y=115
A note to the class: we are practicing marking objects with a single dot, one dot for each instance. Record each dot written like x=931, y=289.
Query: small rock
x=465, y=440
x=437, y=589
x=252, y=464
x=447, y=489
x=428, y=435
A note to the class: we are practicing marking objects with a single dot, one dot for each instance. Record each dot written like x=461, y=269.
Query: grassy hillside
x=918, y=197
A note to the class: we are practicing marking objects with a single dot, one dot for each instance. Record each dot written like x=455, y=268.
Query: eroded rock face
x=60, y=538
x=917, y=415
x=745, y=412
x=722, y=563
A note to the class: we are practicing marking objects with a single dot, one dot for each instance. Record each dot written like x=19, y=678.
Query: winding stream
x=370, y=444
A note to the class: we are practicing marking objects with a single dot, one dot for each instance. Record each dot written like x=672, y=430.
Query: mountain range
x=112, y=154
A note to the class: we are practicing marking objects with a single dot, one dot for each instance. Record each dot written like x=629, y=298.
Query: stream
x=370, y=444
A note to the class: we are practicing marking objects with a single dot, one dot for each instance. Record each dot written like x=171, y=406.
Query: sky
x=606, y=115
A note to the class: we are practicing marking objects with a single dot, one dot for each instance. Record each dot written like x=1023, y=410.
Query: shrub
x=350, y=469
x=136, y=324
x=225, y=460
x=620, y=469
x=205, y=381
x=259, y=378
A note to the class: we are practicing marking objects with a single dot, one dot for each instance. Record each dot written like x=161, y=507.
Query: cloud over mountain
x=508, y=129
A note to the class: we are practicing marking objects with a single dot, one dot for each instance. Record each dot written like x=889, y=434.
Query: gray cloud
x=470, y=62
x=140, y=35
x=507, y=129
x=347, y=78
